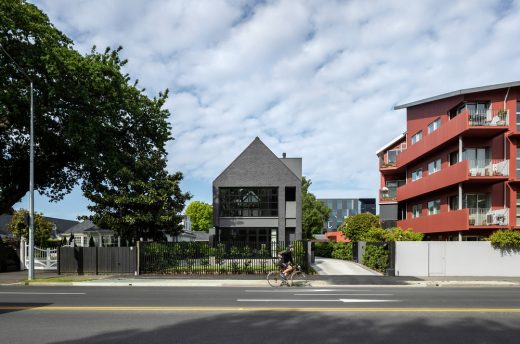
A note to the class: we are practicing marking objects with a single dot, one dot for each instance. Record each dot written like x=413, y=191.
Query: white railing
x=488, y=217
x=488, y=167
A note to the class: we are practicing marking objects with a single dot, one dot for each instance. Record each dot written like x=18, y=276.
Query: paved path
x=329, y=266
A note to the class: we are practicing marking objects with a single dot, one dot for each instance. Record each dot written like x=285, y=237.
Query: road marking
x=35, y=293
x=323, y=300
x=256, y=309
x=344, y=294
x=306, y=290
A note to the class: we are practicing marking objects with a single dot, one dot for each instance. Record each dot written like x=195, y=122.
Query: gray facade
x=258, y=197
x=342, y=208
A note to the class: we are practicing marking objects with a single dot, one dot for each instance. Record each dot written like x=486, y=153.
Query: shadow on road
x=323, y=328
x=8, y=307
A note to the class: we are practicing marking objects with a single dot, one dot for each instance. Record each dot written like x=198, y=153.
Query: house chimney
x=284, y=155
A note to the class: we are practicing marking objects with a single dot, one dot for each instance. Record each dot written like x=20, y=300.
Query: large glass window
x=453, y=158
x=518, y=208
x=434, y=207
x=392, y=156
x=476, y=201
x=244, y=202
x=517, y=162
x=454, y=202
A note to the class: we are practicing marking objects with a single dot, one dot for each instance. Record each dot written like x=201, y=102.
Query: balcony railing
x=490, y=118
x=488, y=167
x=488, y=217
x=388, y=194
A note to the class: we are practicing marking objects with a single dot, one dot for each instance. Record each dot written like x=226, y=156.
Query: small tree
x=19, y=227
x=356, y=227
x=314, y=212
x=201, y=216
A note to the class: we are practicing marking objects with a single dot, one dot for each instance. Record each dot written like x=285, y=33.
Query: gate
x=44, y=258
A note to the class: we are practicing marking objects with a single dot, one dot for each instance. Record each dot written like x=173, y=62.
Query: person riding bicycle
x=286, y=261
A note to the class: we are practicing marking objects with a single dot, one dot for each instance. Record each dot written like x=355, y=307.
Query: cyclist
x=286, y=262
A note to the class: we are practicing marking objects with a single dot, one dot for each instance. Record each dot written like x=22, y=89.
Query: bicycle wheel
x=298, y=279
x=274, y=279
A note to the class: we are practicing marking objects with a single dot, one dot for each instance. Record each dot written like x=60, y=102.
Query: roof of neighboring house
x=320, y=237
x=391, y=143
x=61, y=224
x=201, y=236
x=86, y=226
x=457, y=93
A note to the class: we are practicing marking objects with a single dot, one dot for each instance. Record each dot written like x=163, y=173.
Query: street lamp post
x=31, y=172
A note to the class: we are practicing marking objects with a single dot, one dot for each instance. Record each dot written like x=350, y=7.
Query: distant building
x=59, y=226
x=341, y=208
x=257, y=198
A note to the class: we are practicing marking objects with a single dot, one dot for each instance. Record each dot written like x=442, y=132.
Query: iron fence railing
x=223, y=258
x=490, y=117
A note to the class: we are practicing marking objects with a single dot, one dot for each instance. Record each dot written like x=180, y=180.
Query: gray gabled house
x=257, y=198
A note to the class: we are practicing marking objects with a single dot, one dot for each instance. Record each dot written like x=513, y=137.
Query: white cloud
x=311, y=78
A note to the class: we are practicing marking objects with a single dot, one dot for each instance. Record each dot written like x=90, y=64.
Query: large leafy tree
x=314, y=212
x=90, y=122
x=19, y=227
x=201, y=215
x=142, y=200
x=357, y=226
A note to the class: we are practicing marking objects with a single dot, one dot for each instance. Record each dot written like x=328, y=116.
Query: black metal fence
x=224, y=258
x=94, y=260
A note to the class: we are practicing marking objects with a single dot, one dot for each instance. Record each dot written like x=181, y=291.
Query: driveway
x=329, y=266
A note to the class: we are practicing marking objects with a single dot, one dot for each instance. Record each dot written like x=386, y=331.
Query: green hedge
x=376, y=257
x=505, y=239
x=323, y=249
x=342, y=250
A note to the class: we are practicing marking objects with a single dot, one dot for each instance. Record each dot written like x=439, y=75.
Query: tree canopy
x=91, y=123
x=142, y=200
x=314, y=212
x=356, y=227
x=19, y=227
x=201, y=216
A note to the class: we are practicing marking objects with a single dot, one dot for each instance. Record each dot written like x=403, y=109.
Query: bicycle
x=296, y=278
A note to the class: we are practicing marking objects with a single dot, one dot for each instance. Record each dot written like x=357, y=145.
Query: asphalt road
x=31, y=314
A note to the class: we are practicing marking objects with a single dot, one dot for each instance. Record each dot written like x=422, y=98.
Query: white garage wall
x=454, y=258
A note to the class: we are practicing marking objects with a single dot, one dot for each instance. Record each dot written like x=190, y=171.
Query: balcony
x=388, y=194
x=487, y=171
x=482, y=125
x=458, y=220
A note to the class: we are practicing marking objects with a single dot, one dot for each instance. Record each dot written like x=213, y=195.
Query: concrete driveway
x=329, y=266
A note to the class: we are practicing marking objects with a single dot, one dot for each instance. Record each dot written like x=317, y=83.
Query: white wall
x=454, y=258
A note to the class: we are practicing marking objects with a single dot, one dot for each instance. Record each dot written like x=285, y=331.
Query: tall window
x=416, y=175
x=453, y=202
x=476, y=201
x=434, y=207
x=434, y=166
x=518, y=208
x=517, y=162
x=434, y=125
x=453, y=158
x=392, y=156
x=417, y=137
x=245, y=202
x=416, y=210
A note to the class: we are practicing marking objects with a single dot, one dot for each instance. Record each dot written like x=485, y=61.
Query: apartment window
x=416, y=210
x=434, y=125
x=434, y=166
x=476, y=201
x=517, y=162
x=417, y=137
x=453, y=202
x=518, y=208
x=453, y=158
x=517, y=116
x=416, y=175
x=434, y=207
x=392, y=156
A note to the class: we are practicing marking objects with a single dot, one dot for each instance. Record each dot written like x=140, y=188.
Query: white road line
x=306, y=290
x=304, y=300
x=34, y=293
x=344, y=294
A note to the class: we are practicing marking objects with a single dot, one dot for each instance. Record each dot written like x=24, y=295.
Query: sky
x=315, y=79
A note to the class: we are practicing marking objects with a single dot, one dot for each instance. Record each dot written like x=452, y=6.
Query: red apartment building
x=455, y=173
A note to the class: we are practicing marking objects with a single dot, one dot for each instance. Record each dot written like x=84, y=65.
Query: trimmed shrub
x=376, y=257
x=323, y=249
x=342, y=250
x=505, y=239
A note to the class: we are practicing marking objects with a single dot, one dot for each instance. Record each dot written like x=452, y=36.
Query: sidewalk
x=330, y=266
x=19, y=277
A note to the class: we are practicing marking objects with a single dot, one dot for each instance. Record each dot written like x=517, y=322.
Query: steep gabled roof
x=457, y=93
x=249, y=158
